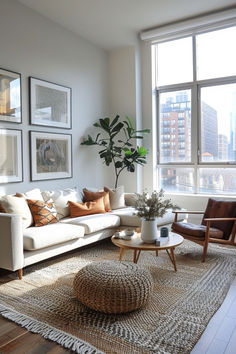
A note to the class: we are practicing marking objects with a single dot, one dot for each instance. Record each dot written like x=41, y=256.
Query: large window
x=195, y=80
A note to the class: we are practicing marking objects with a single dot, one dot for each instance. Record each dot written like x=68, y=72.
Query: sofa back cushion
x=91, y=196
x=81, y=209
x=34, y=194
x=117, y=197
x=60, y=198
x=19, y=206
x=43, y=213
x=221, y=209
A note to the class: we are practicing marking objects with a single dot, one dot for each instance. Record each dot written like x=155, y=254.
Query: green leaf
x=89, y=141
x=137, y=137
x=107, y=121
x=142, y=151
x=97, y=137
x=131, y=168
x=104, y=125
x=118, y=164
x=117, y=127
x=128, y=153
x=130, y=122
x=143, y=131
x=115, y=120
x=97, y=125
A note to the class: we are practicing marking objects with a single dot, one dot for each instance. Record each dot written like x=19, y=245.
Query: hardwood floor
x=17, y=340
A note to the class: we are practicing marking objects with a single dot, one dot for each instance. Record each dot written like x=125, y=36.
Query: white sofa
x=21, y=247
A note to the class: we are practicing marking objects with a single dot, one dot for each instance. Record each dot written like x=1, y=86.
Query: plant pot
x=149, y=231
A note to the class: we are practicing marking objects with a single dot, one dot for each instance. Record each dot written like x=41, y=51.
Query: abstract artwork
x=51, y=156
x=50, y=104
x=10, y=96
x=10, y=156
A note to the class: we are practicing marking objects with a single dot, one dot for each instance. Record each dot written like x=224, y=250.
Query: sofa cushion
x=32, y=194
x=90, y=196
x=93, y=223
x=117, y=197
x=128, y=217
x=19, y=206
x=60, y=197
x=130, y=199
x=81, y=209
x=43, y=213
x=195, y=231
x=40, y=237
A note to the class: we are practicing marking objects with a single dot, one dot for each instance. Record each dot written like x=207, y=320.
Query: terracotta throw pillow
x=87, y=208
x=90, y=196
x=43, y=213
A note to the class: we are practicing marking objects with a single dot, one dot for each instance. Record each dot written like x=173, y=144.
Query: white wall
x=125, y=93
x=33, y=46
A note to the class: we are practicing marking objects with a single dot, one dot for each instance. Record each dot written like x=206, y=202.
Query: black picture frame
x=10, y=96
x=50, y=104
x=11, y=157
x=50, y=155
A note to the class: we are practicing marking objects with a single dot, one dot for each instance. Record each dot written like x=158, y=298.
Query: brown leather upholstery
x=196, y=231
x=220, y=209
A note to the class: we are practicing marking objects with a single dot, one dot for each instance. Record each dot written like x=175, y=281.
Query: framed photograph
x=10, y=156
x=10, y=96
x=51, y=155
x=50, y=104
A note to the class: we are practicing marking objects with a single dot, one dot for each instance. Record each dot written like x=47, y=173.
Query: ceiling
x=114, y=23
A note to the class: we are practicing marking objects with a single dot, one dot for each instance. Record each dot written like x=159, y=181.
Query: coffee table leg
x=172, y=251
x=135, y=256
x=172, y=257
x=121, y=253
x=156, y=253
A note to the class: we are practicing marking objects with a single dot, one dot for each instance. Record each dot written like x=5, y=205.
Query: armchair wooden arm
x=220, y=219
x=176, y=212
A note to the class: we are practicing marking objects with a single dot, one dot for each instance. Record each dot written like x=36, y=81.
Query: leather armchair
x=218, y=225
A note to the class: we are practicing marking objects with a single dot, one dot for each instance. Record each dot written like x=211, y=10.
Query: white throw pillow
x=19, y=206
x=34, y=194
x=117, y=197
x=130, y=199
x=60, y=198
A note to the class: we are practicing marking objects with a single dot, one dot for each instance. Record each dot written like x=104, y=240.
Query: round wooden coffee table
x=138, y=245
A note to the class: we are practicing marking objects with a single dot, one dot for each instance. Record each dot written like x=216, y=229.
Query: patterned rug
x=179, y=309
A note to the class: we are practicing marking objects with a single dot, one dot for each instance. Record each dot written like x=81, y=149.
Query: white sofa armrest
x=11, y=242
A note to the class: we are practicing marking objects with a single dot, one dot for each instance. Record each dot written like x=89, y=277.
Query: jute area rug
x=179, y=309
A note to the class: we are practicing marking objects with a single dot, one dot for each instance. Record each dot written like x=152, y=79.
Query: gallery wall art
x=10, y=156
x=51, y=155
x=10, y=96
x=50, y=104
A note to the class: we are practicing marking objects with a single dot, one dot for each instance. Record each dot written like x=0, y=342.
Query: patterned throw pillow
x=43, y=213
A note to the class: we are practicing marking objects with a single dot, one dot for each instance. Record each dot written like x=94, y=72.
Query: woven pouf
x=113, y=287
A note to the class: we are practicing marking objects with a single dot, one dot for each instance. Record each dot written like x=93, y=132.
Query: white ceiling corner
x=112, y=23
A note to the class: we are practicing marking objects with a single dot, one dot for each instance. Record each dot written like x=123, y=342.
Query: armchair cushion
x=196, y=231
x=220, y=209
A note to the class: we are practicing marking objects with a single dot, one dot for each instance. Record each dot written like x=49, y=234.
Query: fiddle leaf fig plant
x=118, y=147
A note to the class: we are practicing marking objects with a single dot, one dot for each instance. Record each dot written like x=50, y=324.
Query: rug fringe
x=49, y=332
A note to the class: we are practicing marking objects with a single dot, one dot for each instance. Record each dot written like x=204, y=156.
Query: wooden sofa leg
x=20, y=273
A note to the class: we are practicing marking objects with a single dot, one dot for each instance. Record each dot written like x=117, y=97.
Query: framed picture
x=51, y=155
x=10, y=96
x=50, y=104
x=10, y=156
